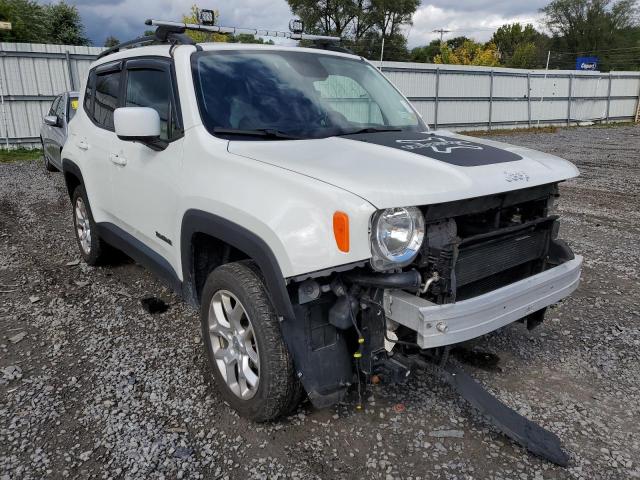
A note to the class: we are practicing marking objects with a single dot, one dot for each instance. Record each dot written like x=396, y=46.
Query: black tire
x=49, y=167
x=97, y=252
x=277, y=388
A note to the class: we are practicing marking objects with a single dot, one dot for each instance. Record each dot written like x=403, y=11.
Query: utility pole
x=441, y=31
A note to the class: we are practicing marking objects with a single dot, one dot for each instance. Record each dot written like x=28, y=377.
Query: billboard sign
x=587, y=63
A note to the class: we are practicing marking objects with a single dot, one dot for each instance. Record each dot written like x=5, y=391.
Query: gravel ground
x=92, y=386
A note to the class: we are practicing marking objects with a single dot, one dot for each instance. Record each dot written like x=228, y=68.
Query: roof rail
x=163, y=35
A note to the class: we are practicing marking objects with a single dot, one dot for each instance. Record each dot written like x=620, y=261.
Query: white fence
x=31, y=75
x=456, y=97
x=447, y=96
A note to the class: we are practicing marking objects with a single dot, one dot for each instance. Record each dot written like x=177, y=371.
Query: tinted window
x=88, y=94
x=152, y=88
x=106, y=99
x=54, y=106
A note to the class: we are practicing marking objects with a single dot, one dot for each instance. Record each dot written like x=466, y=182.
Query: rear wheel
x=92, y=247
x=250, y=363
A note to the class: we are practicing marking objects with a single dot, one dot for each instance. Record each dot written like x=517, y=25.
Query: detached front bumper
x=439, y=325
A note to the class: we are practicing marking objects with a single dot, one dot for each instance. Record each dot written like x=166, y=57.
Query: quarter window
x=88, y=94
x=152, y=88
x=106, y=99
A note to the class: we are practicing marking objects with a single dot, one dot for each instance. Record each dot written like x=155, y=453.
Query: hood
x=394, y=169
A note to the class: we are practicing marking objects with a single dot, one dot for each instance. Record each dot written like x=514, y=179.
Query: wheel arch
x=72, y=175
x=239, y=239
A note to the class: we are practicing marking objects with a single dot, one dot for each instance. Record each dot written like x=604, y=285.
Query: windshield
x=296, y=95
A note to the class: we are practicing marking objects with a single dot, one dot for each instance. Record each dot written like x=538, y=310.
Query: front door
x=97, y=139
x=146, y=181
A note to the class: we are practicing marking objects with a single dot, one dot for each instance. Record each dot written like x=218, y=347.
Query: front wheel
x=92, y=247
x=250, y=363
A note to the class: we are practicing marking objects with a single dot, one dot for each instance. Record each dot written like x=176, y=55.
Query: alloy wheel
x=83, y=226
x=234, y=344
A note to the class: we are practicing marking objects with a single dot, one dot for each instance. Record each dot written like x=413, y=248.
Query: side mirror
x=52, y=120
x=137, y=124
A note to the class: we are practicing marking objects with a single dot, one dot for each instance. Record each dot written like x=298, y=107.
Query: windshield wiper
x=258, y=132
x=368, y=130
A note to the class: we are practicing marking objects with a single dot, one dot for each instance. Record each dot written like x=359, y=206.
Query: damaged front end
x=481, y=264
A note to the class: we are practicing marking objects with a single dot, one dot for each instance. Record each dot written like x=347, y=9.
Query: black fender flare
x=70, y=167
x=197, y=221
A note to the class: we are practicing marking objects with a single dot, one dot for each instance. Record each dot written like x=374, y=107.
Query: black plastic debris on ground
x=154, y=305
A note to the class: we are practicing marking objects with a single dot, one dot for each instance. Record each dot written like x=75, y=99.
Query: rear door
x=146, y=181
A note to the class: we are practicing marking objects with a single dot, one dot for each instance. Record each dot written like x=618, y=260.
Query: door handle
x=118, y=160
x=82, y=145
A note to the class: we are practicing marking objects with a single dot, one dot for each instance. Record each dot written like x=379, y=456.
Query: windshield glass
x=296, y=94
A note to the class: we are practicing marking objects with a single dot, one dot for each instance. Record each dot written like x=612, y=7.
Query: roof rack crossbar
x=173, y=33
x=236, y=30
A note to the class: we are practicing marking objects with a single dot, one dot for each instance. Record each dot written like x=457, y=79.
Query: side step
x=530, y=435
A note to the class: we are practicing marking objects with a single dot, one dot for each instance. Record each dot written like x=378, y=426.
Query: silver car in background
x=53, y=132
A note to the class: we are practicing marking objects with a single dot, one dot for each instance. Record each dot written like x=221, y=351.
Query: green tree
x=469, y=53
x=395, y=47
x=27, y=21
x=64, y=25
x=457, y=42
x=589, y=25
x=111, y=41
x=362, y=23
x=34, y=23
x=427, y=53
x=525, y=56
x=351, y=18
x=520, y=47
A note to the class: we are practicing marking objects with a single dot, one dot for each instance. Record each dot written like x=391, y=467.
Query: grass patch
x=544, y=129
x=510, y=131
x=20, y=155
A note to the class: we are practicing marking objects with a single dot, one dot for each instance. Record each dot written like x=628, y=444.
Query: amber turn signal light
x=341, y=230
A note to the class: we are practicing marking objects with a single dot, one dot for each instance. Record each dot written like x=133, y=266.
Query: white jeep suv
x=297, y=198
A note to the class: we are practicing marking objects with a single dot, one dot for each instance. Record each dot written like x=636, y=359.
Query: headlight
x=396, y=237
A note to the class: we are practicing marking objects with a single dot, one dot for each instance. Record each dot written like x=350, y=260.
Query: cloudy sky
x=473, y=18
